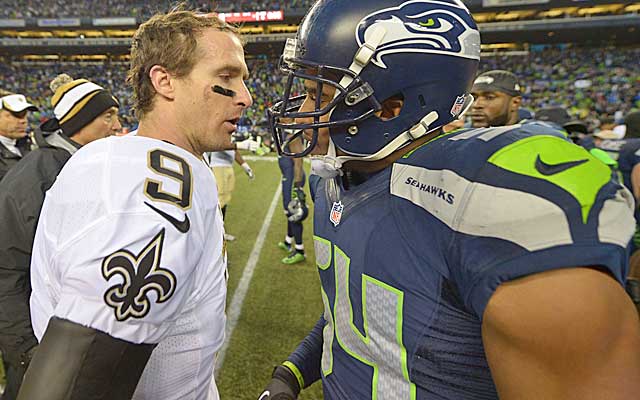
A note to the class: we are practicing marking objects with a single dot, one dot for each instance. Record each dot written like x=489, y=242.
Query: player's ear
x=515, y=103
x=162, y=81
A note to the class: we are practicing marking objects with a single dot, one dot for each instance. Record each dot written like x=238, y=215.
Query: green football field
x=273, y=310
x=282, y=302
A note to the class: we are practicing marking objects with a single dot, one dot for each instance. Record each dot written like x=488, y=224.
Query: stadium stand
x=136, y=8
x=592, y=83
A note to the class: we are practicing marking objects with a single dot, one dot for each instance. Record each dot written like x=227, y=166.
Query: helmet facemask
x=285, y=114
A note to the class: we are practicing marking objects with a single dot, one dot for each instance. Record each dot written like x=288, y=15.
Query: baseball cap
x=557, y=115
x=497, y=81
x=560, y=116
x=16, y=103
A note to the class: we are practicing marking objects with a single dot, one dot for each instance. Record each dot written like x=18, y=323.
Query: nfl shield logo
x=457, y=106
x=336, y=213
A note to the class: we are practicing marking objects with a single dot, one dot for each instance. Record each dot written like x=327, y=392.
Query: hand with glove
x=283, y=385
x=248, y=170
x=297, y=207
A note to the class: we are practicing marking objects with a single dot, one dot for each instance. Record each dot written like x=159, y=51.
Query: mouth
x=231, y=124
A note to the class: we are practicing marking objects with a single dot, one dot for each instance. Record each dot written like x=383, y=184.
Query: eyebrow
x=234, y=69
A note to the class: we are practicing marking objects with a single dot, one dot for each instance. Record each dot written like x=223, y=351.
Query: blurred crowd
x=593, y=84
x=132, y=8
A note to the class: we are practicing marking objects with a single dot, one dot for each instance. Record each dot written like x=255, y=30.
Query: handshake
x=283, y=386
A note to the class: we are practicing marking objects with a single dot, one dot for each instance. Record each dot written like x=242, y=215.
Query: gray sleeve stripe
x=482, y=210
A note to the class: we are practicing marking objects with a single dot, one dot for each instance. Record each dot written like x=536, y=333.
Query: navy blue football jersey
x=409, y=259
x=628, y=151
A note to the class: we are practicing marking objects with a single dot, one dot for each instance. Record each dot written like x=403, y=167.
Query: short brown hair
x=169, y=40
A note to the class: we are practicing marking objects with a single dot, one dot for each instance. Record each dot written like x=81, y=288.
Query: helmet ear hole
x=391, y=107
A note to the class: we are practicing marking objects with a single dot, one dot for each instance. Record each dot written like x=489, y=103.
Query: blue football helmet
x=421, y=51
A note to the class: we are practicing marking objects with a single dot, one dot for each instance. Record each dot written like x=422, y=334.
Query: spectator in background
x=14, y=142
x=497, y=99
x=559, y=117
x=21, y=196
x=632, y=125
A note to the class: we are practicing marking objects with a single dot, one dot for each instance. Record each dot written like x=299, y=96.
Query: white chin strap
x=332, y=164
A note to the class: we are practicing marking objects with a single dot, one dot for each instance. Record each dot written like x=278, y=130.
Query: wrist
x=285, y=374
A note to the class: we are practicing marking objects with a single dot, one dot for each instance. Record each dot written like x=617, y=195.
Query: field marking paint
x=235, y=308
x=270, y=158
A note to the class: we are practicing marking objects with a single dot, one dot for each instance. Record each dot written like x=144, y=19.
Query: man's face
x=13, y=125
x=494, y=109
x=104, y=125
x=209, y=118
x=309, y=105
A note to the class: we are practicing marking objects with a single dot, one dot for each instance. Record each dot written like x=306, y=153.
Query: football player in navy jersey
x=625, y=156
x=479, y=264
x=295, y=208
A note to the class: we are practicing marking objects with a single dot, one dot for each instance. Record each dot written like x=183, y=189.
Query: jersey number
x=174, y=167
x=381, y=344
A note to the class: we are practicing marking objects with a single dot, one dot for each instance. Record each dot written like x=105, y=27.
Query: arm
x=564, y=334
x=635, y=182
x=245, y=166
x=19, y=210
x=76, y=362
x=298, y=172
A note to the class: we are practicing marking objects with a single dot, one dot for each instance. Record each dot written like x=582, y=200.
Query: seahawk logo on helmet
x=423, y=52
x=421, y=26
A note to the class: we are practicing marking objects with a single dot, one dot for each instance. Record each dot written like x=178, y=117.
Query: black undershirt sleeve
x=74, y=362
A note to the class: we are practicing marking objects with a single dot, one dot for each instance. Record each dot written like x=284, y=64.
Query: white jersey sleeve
x=129, y=241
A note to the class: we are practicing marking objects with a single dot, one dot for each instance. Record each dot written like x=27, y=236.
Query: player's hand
x=297, y=207
x=247, y=170
x=249, y=144
x=283, y=385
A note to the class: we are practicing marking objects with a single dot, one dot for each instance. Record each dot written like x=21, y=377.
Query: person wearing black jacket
x=14, y=142
x=22, y=193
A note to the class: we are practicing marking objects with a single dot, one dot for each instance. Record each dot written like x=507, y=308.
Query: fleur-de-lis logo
x=141, y=274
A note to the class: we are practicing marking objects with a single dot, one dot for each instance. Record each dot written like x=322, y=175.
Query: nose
x=478, y=104
x=243, y=97
x=307, y=105
x=117, y=126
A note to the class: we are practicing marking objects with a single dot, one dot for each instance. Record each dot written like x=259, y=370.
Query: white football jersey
x=130, y=242
x=222, y=158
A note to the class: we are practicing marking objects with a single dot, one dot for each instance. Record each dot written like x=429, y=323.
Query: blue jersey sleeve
x=304, y=362
x=538, y=204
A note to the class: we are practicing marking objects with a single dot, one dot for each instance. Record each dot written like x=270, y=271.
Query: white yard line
x=268, y=158
x=260, y=158
x=235, y=308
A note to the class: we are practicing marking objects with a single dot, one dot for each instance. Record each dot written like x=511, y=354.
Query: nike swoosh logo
x=265, y=395
x=182, y=226
x=552, y=169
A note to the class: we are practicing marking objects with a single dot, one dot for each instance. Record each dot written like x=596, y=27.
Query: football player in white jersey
x=129, y=262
